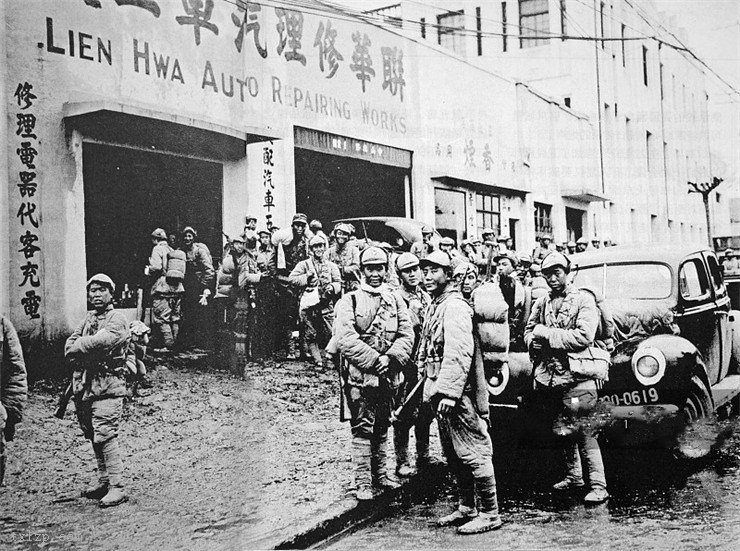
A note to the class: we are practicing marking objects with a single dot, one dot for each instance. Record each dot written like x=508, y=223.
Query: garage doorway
x=130, y=192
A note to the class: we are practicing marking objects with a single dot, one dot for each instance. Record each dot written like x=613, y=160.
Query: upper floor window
x=645, y=65
x=534, y=21
x=450, y=29
x=542, y=219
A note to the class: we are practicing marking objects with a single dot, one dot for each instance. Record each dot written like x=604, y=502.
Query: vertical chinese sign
x=27, y=213
x=268, y=169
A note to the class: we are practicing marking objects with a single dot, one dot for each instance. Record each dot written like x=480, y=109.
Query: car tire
x=700, y=431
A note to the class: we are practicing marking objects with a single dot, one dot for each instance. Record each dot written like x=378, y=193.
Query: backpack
x=605, y=331
x=176, y=265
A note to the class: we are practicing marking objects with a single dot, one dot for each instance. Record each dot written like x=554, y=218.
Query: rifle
x=63, y=401
x=396, y=413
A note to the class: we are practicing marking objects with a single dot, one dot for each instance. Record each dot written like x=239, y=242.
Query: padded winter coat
x=325, y=273
x=157, y=269
x=13, y=384
x=200, y=265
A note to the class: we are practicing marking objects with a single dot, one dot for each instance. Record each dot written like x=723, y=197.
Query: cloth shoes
x=484, y=522
x=568, y=484
x=461, y=515
x=596, y=495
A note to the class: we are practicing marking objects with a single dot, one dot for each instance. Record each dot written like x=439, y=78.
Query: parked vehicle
x=677, y=345
x=399, y=232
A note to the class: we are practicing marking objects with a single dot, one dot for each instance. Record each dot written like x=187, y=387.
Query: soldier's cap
x=582, y=241
x=502, y=237
x=447, y=241
x=546, y=236
x=487, y=231
x=436, y=258
x=524, y=257
x=103, y=280
x=535, y=267
x=406, y=261
x=316, y=240
x=264, y=232
x=343, y=227
x=464, y=268
x=555, y=259
x=249, y=217
x=595, y=240
x=729, y=253
x=159, y=233
x=190, y=229
x=426, y=230
x=316, y=224
x=299, y=218
x=509, y=255
x=571, y=244
x=373, y=256
x=239, y=238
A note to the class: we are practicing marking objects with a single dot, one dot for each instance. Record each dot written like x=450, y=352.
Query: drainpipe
x=598, y=97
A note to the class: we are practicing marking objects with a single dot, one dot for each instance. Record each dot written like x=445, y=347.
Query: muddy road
x=657, y=503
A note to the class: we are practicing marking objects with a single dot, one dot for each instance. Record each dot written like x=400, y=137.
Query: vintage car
x=676, y=352
x=397, y=231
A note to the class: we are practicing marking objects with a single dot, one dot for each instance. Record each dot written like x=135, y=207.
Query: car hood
x=641, y=318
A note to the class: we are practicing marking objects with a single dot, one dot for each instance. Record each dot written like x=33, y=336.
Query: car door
x=695, y=312
x=721, y=314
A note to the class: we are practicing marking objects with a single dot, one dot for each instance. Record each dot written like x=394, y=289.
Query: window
x=450, y=216
x=534, y=21
x=648, y=147
x=693, y=283
x=601, y=23
x=716, y=274
x=624, y=56
x=478, y=35
x=647, y=281
x=449, y=35
x=542, y=219
x=566, y=101
x=488, y=212
x=423, y=25
x=644, y=65
x=563, y=20
x=504, y=30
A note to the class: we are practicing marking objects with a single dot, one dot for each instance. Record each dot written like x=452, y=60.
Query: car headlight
x=648, y=365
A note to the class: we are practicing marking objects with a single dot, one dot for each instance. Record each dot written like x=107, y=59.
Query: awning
x=155, y=130
x=500, y=187
x=583, y=194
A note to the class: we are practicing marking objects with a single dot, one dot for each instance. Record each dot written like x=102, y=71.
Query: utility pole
x=705, y=188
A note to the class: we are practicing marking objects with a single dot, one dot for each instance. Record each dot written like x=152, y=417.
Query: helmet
x=159, y=233
x=103, y=280
x=554, y=259
x=316, y=240
x=438, y=258
x=406, y=261
x=373, y=256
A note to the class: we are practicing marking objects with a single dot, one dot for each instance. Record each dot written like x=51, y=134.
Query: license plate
x=633, y=397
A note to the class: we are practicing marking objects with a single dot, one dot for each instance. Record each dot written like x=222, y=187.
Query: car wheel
x=700, y=430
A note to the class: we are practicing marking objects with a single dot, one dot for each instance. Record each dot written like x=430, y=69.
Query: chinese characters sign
x=27, y=213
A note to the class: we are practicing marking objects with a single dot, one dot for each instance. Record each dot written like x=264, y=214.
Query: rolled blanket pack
x=491, y=320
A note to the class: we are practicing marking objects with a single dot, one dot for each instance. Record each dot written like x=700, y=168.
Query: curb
x=349, y=514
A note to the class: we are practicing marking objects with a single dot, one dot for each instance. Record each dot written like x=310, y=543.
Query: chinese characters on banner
x=27, y=211
x=268, y=166
x=247, y=18
x=469, y=156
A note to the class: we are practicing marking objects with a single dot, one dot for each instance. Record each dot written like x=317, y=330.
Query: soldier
x=543, y=250
x=291, y=246
x=486, y=254
x=317, y=228
x=517, y=297
x=447, y=244
x=346, y=256
x=166, y=294
x=467, y=251
x=96, y=351
x=320, y=276
x=581, y=245
x=522, y=271
x=566, y=321
x=13, y=386
x=250, y=223
x=595, y=243
x=571, y=246
x=503, y=241
x=425, y=246
x=391, y=277
x=199, y=278
x=561, y=247
x=417, y=300
x=374, y=334
x=466, y=279
x=456, y=388
x=264, y=250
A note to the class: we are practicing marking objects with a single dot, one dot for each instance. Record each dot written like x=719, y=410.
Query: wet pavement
x=657, y=503
x=213, y=461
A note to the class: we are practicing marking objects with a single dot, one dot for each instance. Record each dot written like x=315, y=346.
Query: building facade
x=121, y=117
x=646, y=100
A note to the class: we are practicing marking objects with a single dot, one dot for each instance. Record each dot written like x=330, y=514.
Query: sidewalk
x=213, y=461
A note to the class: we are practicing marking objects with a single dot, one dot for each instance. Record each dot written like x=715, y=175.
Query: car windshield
x=630, y=281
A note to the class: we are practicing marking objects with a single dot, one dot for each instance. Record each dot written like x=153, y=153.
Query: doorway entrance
x=574, y=223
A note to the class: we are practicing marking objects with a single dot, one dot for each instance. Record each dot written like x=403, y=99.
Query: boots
x=99, y=489
x=401, y=444
x=362, y=466
x=114, y=467
x=380, y=477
